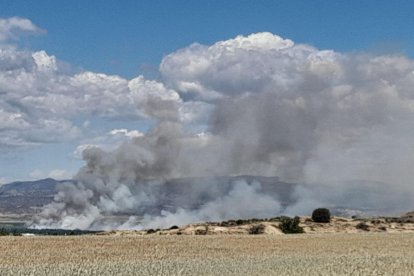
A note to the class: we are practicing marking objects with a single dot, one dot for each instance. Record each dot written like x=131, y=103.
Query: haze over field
x=213, y=119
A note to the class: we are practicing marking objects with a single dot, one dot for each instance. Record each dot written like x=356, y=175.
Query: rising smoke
x=340, y=124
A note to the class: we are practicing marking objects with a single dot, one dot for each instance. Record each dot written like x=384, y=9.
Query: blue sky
x=130, y=38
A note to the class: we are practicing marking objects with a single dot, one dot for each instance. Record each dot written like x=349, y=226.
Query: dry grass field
x=316, y=254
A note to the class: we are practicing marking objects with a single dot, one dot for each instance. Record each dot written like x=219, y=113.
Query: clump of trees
x=256, y=229
x=8, y=232
x=290, y=225
x=322, y=215
x=18, y=231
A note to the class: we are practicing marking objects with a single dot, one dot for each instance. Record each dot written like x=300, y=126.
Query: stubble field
x=307, y=254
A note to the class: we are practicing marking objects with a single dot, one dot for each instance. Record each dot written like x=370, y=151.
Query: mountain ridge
x=22, y=197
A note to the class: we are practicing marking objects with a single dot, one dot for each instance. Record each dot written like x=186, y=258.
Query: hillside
x=27, y=196
x=404, y=224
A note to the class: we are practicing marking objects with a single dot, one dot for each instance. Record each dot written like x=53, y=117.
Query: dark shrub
x=173, y=227
x=321, y=215
x=151, y=231
x=290, y=225
x=202, y=231
x=362, y=226
x=239, y=222
x=228, y=223
x=256, y=229
x=4, y=232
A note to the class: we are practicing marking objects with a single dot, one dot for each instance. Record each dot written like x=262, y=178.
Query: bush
x=321, y=215
x=290, y=225
x=4, y=232
x=202, y=231
x=362, y=226
x=173, y=227
x=9, y=232
x=151, y=231
x=256, y=229
x=239, y=222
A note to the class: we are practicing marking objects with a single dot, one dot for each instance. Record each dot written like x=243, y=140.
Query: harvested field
x=316, y=254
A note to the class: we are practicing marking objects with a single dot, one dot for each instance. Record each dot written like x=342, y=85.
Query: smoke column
x=339, y=124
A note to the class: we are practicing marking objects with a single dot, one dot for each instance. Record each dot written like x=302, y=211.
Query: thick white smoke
x=230, y=205
x=342, y=123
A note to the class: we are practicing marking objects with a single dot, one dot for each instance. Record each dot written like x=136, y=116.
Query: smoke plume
x=339, y=124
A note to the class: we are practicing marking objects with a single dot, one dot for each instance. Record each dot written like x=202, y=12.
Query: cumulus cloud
x=288, y=103
x=41, y=101
x=13, y=27
x=125, y=132
x=236, y=66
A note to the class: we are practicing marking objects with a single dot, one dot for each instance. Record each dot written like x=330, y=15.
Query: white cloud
x=154, y=99
x=241, y=65
x=126, y=132
x=13, y=27
x=3, y=180
x=39, y=102
x=12, y=120
x=45, y=62
x=57, y=174
x=289, y=104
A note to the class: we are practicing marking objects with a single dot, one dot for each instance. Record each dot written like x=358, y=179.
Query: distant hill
x=26, y=196
x=353, y=199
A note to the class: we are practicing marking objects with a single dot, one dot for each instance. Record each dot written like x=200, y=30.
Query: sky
x=78, y=73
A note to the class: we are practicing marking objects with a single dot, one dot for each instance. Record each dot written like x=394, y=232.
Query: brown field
x=306, y=254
